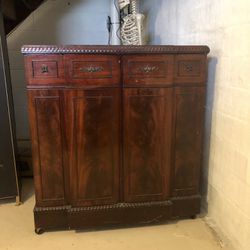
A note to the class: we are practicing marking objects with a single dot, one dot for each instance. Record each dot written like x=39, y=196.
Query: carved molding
x=89, y=49
x=122, y=205
x=104, y=207
x=186, y=197
x=49, y=209
x=71, y=209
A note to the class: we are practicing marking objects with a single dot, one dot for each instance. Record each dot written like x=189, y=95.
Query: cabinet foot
x=39, y=230
x=193, y=217
x=18, y=201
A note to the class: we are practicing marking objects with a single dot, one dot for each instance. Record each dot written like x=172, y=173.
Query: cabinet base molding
x=121, y=214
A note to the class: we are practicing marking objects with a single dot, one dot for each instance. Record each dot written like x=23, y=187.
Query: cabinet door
x=188, y=130
x=47, y=146
x=93, y=128
x=147, y=142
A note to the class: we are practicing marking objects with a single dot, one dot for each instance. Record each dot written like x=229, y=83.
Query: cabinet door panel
x=189, y=119
x=147, y=141
x=93, y=119
x=47, y=146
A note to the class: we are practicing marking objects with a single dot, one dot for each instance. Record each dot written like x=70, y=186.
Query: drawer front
x=93, y=70
x=44, y=69
x=190, y=69
x=148, y=70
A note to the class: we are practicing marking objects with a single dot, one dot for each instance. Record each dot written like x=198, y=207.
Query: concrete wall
x=55, y=22
x=224, y=25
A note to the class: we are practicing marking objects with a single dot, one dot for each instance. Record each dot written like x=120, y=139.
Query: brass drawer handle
x=149, y=69
x=91, y=69
x=44, y=69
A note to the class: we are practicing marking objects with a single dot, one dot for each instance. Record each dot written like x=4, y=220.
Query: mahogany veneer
x=116, y=133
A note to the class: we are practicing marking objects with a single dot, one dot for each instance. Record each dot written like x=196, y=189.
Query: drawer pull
x=188, y=67
x=149, y=69
x=91, y=69
x=44, y=69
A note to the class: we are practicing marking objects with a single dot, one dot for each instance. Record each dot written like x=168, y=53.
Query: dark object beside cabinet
x=9, y=181
x=116, y=133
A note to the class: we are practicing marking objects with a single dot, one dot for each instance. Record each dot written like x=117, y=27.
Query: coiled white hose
x=131, y=31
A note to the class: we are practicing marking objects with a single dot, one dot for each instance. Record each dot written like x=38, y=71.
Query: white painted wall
x=55, y=22
x=224, y=25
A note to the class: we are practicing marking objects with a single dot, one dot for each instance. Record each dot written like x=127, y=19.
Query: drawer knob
x=44, y=69
x=149, y=69
x=188, y=67
x=91, y=69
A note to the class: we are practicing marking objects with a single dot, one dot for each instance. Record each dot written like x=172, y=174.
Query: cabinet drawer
x=44, y=69
x=93, y=70
x=148, y=70
x=190, y=69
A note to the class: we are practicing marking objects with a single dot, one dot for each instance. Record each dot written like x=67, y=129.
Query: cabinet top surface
x=113, y=49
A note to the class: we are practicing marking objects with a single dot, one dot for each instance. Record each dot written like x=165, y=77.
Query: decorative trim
x=104, y=207
x=122, y=205
x=116, y=206
x=49, y=209
x=112, y=49
x=186, y=197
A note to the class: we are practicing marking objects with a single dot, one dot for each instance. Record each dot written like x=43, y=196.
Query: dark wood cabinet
x=116, y=133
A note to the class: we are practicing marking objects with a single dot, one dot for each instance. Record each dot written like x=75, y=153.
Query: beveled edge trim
x=112, y=49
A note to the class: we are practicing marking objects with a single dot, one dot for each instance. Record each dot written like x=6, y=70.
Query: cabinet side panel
x=147, y=130
x=45, y=121
x=189, y=121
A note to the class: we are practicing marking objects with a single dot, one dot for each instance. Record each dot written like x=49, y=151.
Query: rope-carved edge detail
x=104, y=207
x=116, y=206
x=111, y=49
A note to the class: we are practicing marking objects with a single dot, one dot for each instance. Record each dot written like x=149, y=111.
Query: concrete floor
x=17, y=232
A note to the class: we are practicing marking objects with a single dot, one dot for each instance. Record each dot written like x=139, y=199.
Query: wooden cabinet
x=116, y=133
